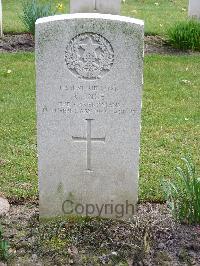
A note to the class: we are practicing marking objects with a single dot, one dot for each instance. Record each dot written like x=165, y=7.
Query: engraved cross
x=88, y=139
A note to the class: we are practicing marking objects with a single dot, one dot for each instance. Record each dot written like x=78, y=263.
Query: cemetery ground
x=169, y=119
x=158, y=15
x=170, y=130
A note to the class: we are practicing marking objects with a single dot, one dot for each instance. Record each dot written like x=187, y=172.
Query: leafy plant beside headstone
x=32, y=10
x=185, y=35
x=183, y=194
x=4, y=247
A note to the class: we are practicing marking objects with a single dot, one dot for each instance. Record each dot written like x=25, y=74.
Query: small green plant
x=4, y=247
x=32, y=10
x=185, y=35
x=183, y=194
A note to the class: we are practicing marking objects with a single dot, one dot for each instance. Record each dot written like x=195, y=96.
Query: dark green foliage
x=3, y=247
x=185, y=35
x=183, y=194
x=32, y=10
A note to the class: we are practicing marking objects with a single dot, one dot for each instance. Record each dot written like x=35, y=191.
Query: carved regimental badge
x=89, y=56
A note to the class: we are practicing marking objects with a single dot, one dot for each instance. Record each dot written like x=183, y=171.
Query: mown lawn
x=170, y=122
x=18, y=130
x=158, y=14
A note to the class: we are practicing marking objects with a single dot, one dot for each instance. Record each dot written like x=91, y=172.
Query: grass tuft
x=32, y=10
x=183, y=194
x=4, y=247
x=185, y=35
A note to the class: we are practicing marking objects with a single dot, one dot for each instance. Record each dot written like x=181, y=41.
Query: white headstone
x=4, y=206
x=89, y=87
x=95, y=6
x=80, y=6
x=1, y=20
x=194, y=8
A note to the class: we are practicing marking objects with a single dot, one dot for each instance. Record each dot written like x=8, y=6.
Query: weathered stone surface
x=4, y=206
x=89, y=86
x=80, y=6
x=108, y=6
x=194, y=8
x=95, y=6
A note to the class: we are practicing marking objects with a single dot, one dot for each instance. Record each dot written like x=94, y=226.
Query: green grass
x=12, y=10
x=183, y=193
x=4, y=247
x=157, y=17
x=157, y=14
x=170, y=122
x=185, y=35
x=18, y=132
x=171, y=119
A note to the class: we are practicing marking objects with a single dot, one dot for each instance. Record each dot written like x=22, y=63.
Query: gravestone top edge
x=90, y=16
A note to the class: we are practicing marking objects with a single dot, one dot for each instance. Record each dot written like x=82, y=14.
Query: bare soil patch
x=25, y=43
x=151, y=238
x=17, y=43
x=158, y=45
